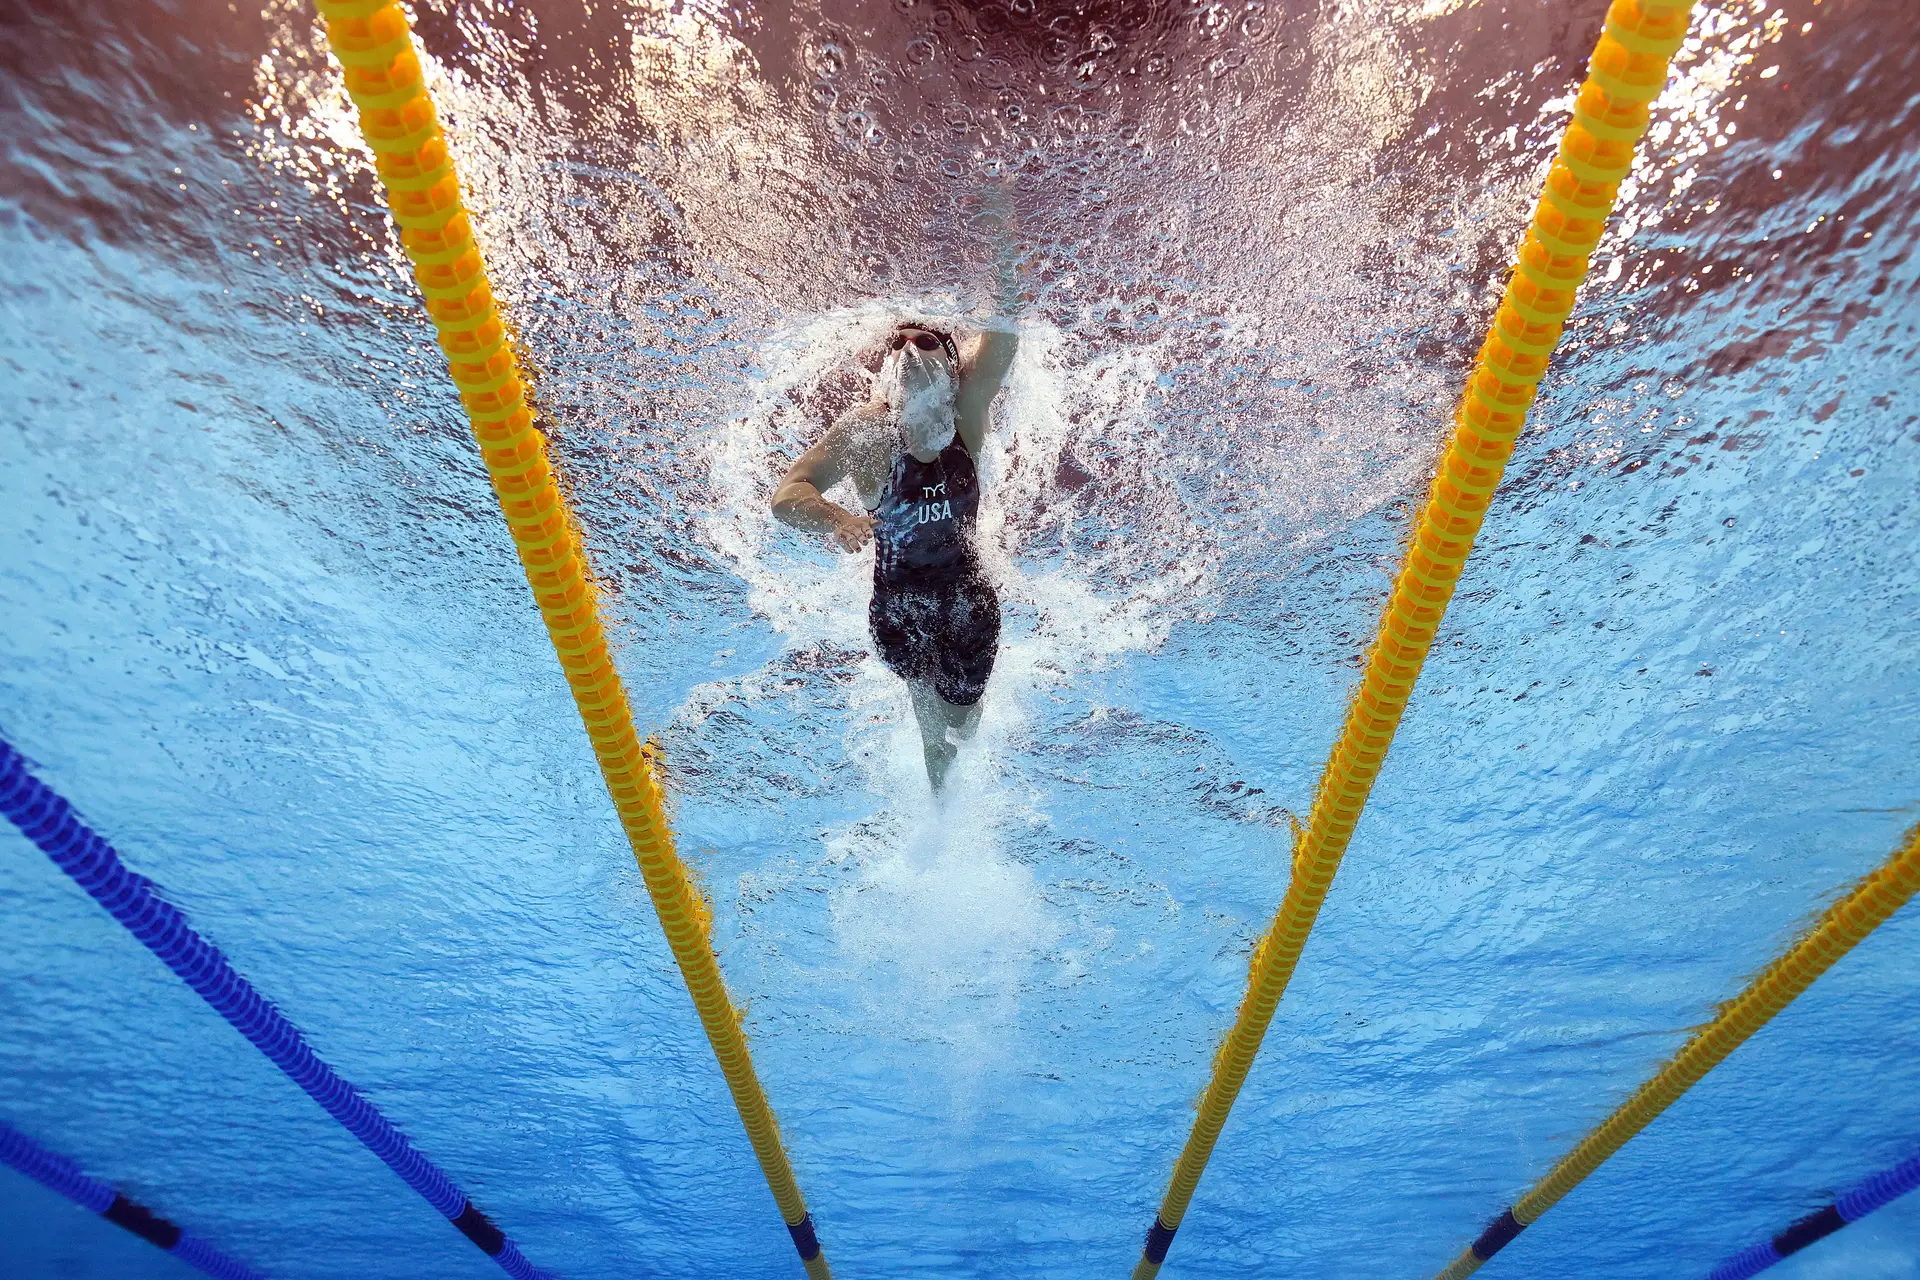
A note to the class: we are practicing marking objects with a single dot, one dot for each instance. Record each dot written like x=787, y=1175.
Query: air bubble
x=1090, y=73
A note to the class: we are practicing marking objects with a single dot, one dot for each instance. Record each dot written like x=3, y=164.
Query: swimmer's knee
x=963, y=718
x=960, y=696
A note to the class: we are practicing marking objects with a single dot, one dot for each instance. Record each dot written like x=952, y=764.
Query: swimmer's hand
x=851, y=532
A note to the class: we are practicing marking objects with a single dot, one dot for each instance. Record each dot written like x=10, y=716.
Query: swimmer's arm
x=798, y=501
x=988, y=357
x=984, y=365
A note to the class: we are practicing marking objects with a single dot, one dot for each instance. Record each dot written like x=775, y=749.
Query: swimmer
x=910, y=453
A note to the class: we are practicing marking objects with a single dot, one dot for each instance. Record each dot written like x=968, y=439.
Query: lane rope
x=1851, y=1205
x=375, y=48
x=58, y=1174
x=46, y=818
x=1866, y=908
x=1627, y=71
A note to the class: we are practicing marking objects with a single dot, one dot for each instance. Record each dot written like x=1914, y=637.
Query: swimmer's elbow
x=788, y=500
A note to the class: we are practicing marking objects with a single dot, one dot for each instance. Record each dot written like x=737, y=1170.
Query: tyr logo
x=931, y=491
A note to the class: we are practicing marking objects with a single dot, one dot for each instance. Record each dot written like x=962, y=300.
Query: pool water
x=264, y=626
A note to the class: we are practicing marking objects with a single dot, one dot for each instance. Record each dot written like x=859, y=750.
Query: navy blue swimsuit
x=934, y=618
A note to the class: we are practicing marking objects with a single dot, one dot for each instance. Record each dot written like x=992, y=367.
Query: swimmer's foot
x=939, y=761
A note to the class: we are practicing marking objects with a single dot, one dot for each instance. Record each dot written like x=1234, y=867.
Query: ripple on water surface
x=265, y=628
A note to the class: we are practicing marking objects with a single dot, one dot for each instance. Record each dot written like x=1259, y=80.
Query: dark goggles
x=926, y=340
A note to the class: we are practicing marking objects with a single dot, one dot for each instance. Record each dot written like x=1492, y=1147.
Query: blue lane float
x=48, y=820
x=58, y=1174
x=1851, y=1206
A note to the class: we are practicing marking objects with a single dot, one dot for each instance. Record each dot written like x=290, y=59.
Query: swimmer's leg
x=930, y=710
x=963, y=639
x=943, y=727
x=964, y=721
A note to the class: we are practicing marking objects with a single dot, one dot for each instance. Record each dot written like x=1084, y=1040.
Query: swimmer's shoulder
x=870, y=414
x=866, y=426
x=863, y=441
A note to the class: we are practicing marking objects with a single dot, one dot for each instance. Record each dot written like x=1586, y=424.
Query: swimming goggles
x=926, y=340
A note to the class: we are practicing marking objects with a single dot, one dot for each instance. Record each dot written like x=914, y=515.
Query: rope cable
x=1851, y=1205
x=61, y=1175
x=374, y=44
x=1839, y=930
x=46, y=818
x=1627, y=71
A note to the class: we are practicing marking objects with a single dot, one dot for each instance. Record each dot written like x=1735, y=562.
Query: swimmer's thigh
x=969, y=642
x=902, y=625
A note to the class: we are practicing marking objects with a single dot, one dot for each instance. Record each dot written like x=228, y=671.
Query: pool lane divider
x=58, y=1174
x=1865, y=908
x=375, y=48
x=46, y=818
x=1627, y=71
x=1849, y=1206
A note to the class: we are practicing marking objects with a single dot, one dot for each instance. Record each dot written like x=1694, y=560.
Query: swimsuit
x=934, y=618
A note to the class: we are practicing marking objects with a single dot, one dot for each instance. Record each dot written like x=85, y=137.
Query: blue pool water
x=263, y=625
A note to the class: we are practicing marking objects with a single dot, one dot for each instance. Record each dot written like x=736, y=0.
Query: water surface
x=263, y=624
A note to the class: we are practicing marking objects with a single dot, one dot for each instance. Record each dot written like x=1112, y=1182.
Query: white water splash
x=939, y=929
